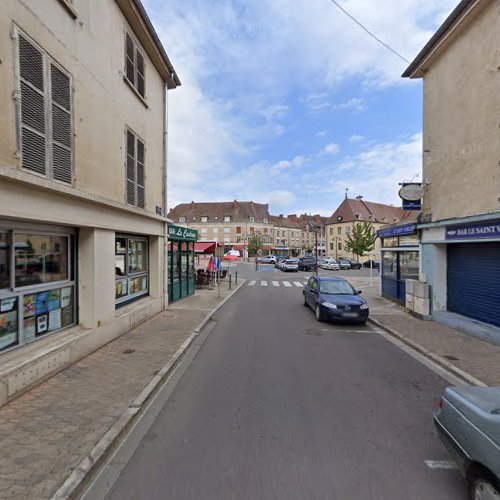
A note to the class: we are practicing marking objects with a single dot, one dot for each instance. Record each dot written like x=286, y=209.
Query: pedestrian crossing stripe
x=252, y=283
x=286, y=283
x=296, y=283
x=275, y=283
x=263, y=283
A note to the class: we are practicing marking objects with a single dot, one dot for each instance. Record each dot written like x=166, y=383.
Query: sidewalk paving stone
x=48, y=431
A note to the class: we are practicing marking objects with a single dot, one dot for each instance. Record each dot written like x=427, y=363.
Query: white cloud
x=321, y=133
x=356, y=104
x=332, y=148
x=316, y=101
x=281, y=198
x=356, y=138
x=274, y=112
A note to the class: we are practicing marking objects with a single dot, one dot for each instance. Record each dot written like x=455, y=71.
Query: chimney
x=317, y=218
x=235, y=204
x=192, y=204
x=281, y=216
x=293, y=217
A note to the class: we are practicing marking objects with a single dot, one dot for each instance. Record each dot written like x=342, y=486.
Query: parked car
x=331, y=265
x=354, y=264
x=267, y=259
x=375, y=264
x=279, y=261
x=290, y=265
x=468, y=424
x=307, y=264
x=335, y=299
x=344, y=264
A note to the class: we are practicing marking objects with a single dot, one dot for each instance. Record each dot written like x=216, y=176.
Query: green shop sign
x=182, y=233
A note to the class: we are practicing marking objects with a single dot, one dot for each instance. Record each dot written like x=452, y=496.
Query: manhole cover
x=129, y=351
x=451, y=358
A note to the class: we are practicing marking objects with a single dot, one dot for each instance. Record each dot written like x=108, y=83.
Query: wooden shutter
x=129, y=59
x=33, y=128
x=140, y=174
x=61, y=125
x=140, y=73
x=131, y=179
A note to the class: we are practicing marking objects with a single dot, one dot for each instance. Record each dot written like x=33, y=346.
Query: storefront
x=400, y=260
x=37, y=282
x=181, y=267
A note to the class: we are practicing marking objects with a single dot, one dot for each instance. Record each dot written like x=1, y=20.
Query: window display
x=8, y=322
x=4, y=261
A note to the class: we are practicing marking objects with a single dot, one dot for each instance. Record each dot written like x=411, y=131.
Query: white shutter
x=33, y=128
x=61, y=125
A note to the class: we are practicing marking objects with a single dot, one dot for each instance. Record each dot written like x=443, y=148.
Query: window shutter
x=140, y=73
x=130, y=66
x=140, y=174
x=130, y=168
x=61, y=125
x=33, y=137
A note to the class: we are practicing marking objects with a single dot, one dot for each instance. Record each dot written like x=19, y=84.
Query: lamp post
x=315, y=227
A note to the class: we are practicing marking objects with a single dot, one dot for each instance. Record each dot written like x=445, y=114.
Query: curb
x=74, y=482
x=443, y=363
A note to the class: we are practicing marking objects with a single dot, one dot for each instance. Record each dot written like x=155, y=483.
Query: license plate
x=351, y=315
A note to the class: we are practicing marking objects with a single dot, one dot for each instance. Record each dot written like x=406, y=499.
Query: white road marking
x=263, y=283
x=276, y=283
x=296, y=283
x=286, y=283
x=440, y=464
x=252, y=283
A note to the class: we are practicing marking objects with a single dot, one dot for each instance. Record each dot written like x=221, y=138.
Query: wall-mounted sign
x=474, y=231
x=412, y=194
x=390, y=232
x=182, y=233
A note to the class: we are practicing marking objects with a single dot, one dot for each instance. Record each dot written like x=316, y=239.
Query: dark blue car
x=335, y=299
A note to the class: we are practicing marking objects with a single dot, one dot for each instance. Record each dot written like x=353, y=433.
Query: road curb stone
x=443, y=363
x=73, y=484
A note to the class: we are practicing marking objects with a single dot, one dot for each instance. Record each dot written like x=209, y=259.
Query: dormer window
x=182, y=219
x=251, y=219
x=204, y=218
x=227, y=218
x=265, y=221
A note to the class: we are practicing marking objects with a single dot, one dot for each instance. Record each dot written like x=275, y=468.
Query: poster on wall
x=55, y=320
x=29, y=305
x=7, y=305
x=8, y=329
x=53, y=300
x=41, y=303
x=29, y=329
x=41, y=324
x=66, y=297
x=66, y=316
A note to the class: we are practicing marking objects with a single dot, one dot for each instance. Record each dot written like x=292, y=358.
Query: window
x=340, y=245
x=251, y=219
x=339, y=230
x=409, y=265
x=265, y=230
x=227, y=230
x=134, y=66
x=238, y=230
x=204, y=230
x=182, y=219
x=265, y=221
x=227, y=240
x=131, y=268
x=331, y=231
x=348, y=230
x=204, y=219
x=44, y=113
x=135, y=170
x=4, y=260
x=389, y=264
x=216, y=230
x=227, y=218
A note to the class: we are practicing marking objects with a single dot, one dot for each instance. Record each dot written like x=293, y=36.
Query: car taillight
x=441, y=403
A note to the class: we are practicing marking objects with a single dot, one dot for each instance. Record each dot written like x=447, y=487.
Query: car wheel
x=319, y=314
x=305, y=301
x=483, y=486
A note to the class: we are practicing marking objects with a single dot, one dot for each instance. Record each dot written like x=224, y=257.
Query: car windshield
x=336, y=287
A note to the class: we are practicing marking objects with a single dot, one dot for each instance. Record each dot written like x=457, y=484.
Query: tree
x=361, y=239
x=254, y=245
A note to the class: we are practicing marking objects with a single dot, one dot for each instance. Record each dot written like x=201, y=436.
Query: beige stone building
x=460, y=233
x=82, y=180
x=354, y=211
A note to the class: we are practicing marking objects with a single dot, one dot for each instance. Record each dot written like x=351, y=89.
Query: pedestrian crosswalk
x=277, y=284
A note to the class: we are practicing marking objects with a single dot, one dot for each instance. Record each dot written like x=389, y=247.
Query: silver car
x=468, y=423
x=330, y=264
x=290, y=265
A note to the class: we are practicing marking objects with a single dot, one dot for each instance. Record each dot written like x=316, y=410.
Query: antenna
x=346, y=192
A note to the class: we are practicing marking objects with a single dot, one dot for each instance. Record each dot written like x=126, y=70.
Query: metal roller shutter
x=474, y=281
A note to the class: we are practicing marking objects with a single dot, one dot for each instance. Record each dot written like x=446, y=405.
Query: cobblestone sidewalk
x=469, y=354
x=45, y=433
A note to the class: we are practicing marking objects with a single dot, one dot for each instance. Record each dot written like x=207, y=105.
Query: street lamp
x=315, y=227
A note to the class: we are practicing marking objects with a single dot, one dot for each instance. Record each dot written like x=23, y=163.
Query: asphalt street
x=278, y=406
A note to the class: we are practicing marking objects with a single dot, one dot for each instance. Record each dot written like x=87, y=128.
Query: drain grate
x=129, y=351
x=450, y=357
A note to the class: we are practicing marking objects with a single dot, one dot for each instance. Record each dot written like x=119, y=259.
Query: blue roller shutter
x=474, y=281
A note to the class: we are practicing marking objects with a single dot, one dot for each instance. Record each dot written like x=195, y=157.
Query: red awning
x=239, y=247
x=204, y=246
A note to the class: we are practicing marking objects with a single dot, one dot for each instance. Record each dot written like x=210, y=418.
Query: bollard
x=230, y=276
x=236, y=278
x=218, y=289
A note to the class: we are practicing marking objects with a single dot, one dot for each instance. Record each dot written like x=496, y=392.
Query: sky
x=288, y=102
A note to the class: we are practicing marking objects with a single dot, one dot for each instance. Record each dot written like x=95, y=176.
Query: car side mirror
x=360, y=292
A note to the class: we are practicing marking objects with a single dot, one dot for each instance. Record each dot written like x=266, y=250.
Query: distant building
x=460, y=225
x=354, y=211
x=82, y=179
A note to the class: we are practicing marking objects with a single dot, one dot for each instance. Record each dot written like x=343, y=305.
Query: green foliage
x=362, y=239
x=254, y=245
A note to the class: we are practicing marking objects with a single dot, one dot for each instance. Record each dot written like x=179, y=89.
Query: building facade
x=460, y=229
x=355, y=211
x=83, y=179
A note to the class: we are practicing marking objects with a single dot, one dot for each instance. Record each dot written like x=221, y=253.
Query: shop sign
x=397, y=231
x=182, y=233
x=412, y=194
x=483, y=230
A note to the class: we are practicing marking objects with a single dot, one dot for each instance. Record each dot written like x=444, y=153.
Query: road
x=278, y=406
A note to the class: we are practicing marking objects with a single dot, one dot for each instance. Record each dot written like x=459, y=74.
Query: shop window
x=411, y=240
x=45, y=115
x=409, y=265
x=390, y=265
x=40, y=259
x=4, y=261
x=134, y=66
x=131, y=268
x=390, y=242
